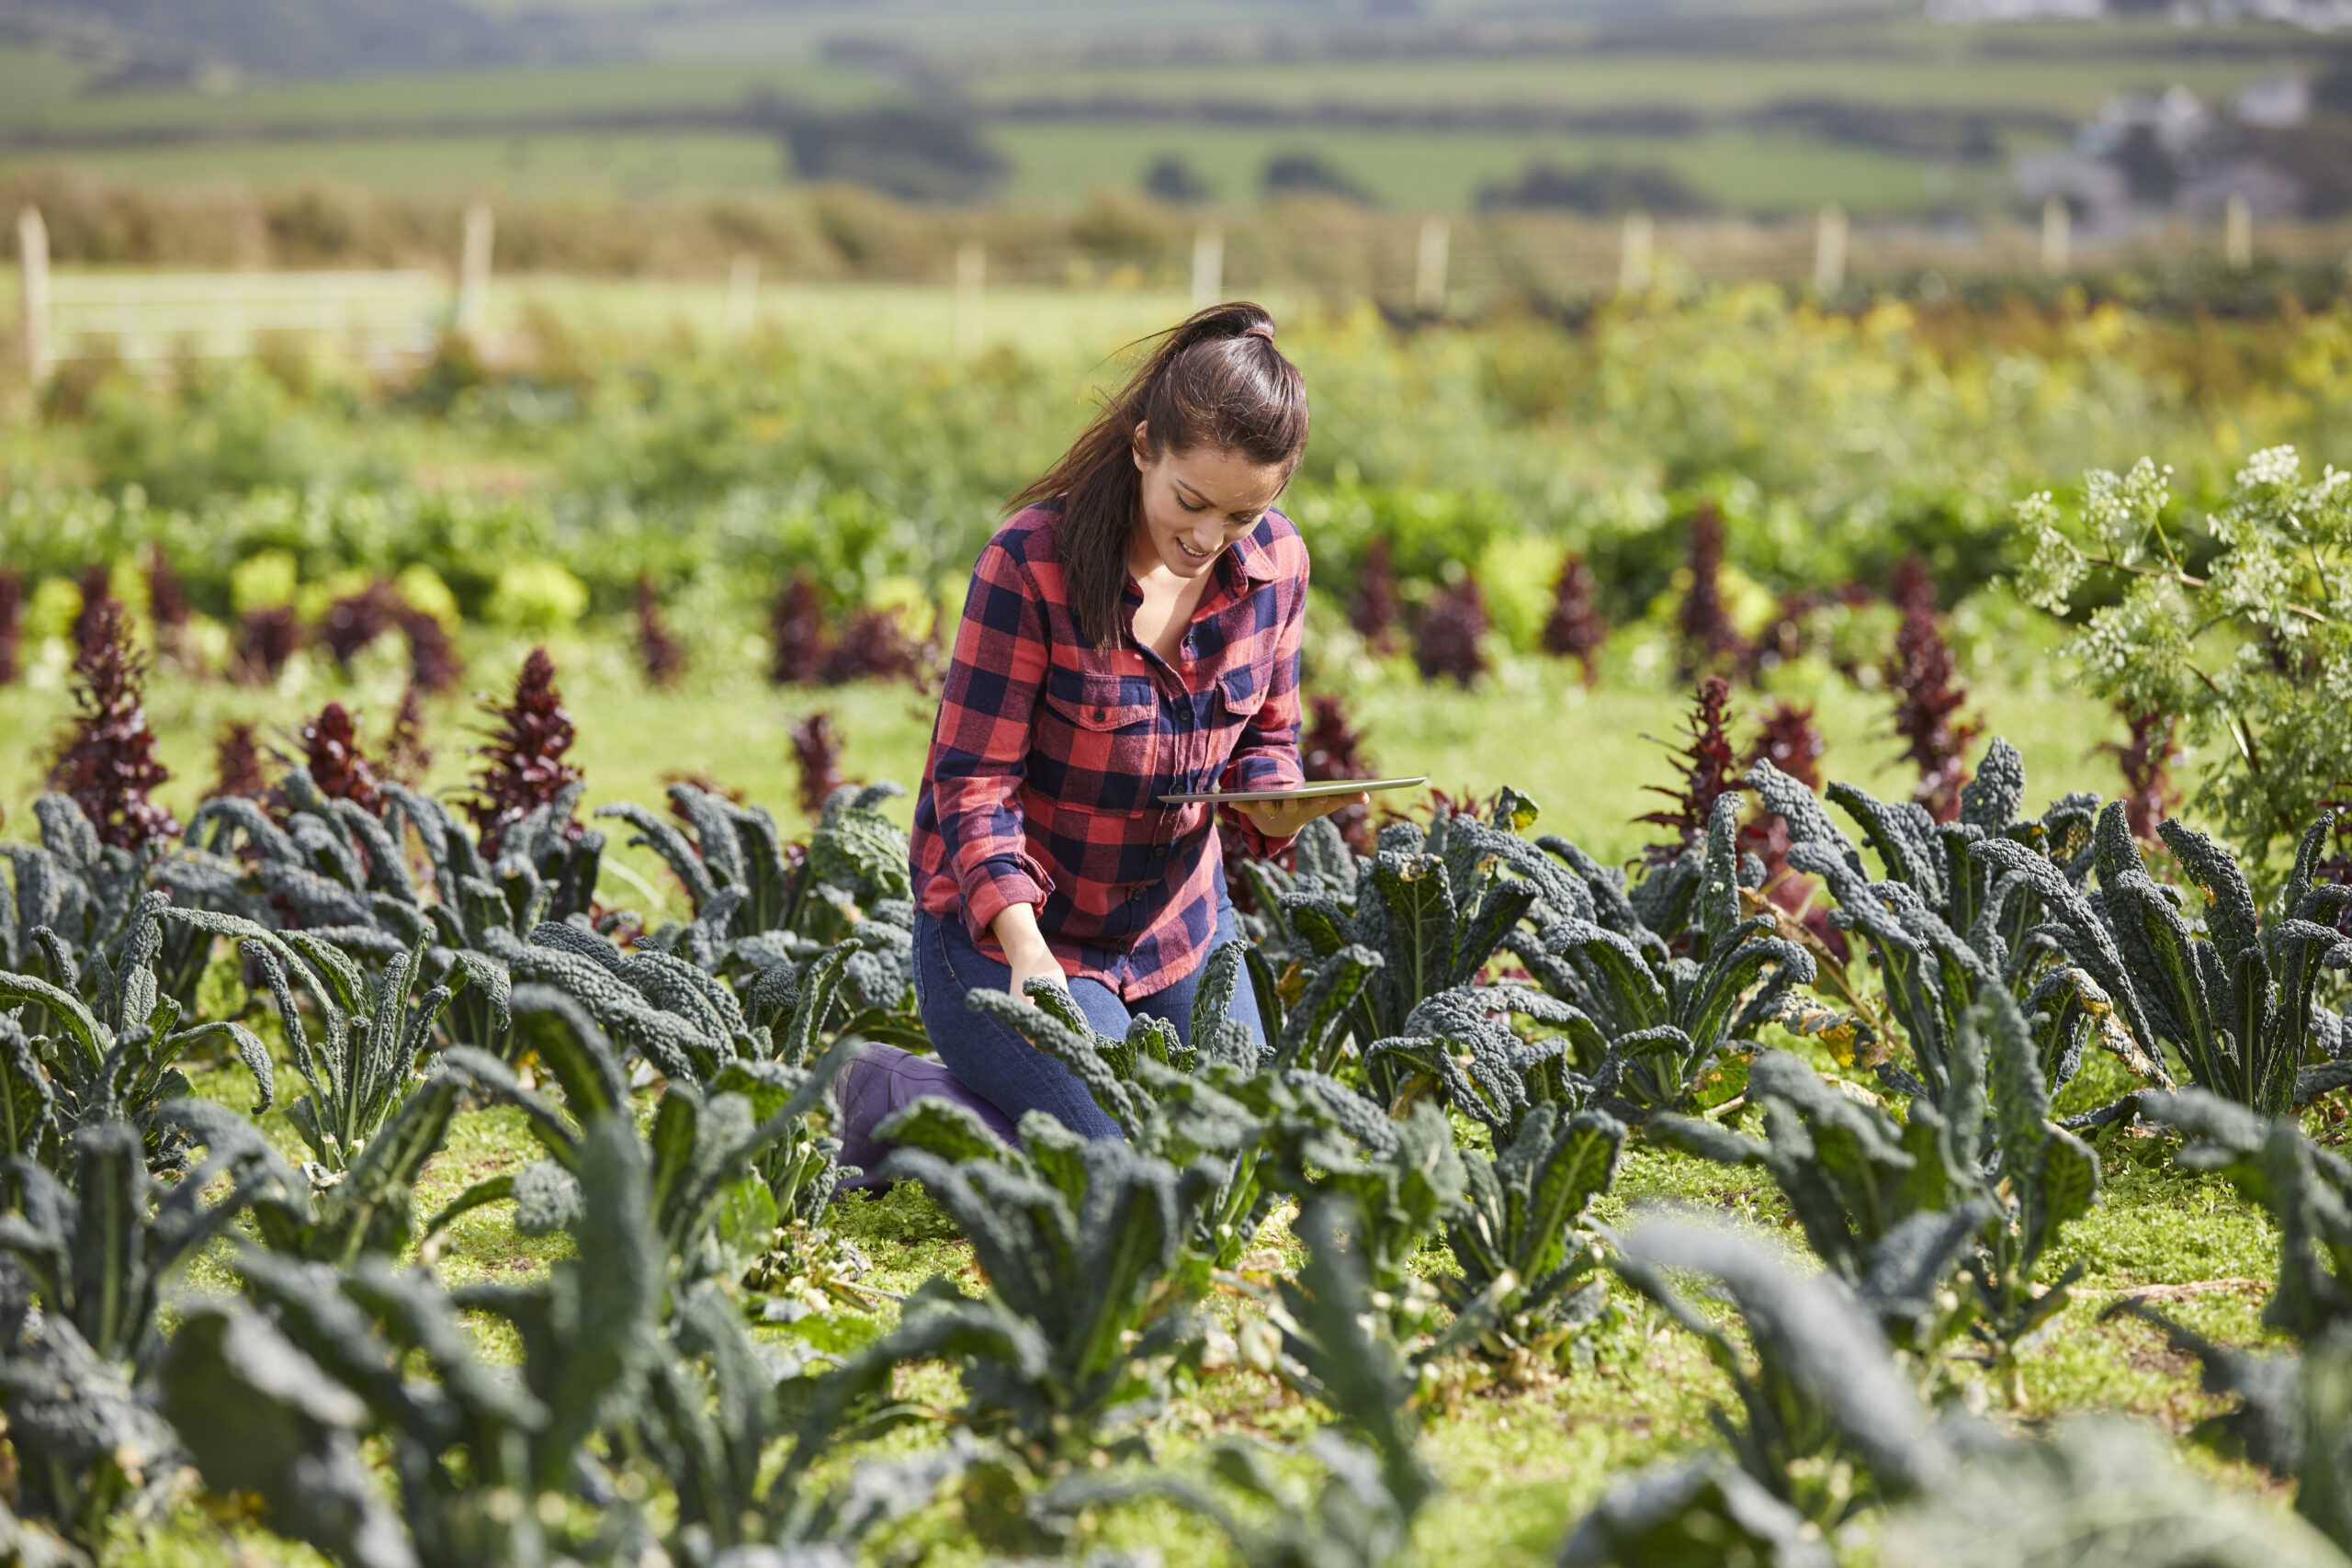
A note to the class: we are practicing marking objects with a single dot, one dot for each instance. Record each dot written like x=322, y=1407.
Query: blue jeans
x=993, y=1061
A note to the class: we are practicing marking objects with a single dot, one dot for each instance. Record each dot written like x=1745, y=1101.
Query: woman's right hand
x=1024, y=949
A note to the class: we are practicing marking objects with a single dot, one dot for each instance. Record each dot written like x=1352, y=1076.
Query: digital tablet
x=1303, y=792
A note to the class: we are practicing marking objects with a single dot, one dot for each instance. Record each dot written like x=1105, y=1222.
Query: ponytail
x=1215, y=380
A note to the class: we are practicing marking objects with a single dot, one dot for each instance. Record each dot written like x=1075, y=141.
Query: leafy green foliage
x=725, y=1160
x=1530, y=1274
x=1833, y=1424
x=1079, y=1243
x=2239, y=1004
x=1969, y=906
x=1980, y=1174
x=2253, y=650
x=93, y=1250
x=1652, y=1024
x=109, y=1059
x=1374, y=1481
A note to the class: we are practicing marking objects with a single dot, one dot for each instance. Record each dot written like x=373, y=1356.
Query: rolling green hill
x=1759, y=106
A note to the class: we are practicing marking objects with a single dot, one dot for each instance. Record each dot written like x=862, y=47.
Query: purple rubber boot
x=884, y=1079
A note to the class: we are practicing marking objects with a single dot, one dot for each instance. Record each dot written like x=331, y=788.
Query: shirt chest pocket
x=1099, y=734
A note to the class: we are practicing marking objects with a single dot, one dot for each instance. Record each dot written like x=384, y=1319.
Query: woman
x=1133, y=631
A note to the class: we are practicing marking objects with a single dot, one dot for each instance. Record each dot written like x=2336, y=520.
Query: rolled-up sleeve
x=980, y=745
x=1267, y=755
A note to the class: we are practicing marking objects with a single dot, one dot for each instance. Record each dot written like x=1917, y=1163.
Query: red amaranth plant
x=523, y=766
x=11, y=624
x=1373, y=611
x=797, y=630
x=265, y=641
x=107, y=762
x=1576, y=629
x=236, y=763
x=1449, y=637
x=874, y=646
x=1710, y=770
x=356, y=620
x=97, y=591
x=817, y=758
x=1708, y=639
x=1332, y=749
x=167, y=604
x=406, y=757
x=1928, y=696
x=2149, y=793
x=1788, y=737
x=434, y=666
x=1783, y=640
x=333, y=756
x=658, y=652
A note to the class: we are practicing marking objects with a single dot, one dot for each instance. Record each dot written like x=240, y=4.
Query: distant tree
x=1306, y=174
x=1599, y=187
x=1172, y=179
x=915, y=154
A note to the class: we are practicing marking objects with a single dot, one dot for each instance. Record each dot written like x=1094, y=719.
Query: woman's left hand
x=1280, y=818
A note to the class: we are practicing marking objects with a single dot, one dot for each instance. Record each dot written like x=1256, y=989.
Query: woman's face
x=1197, y=503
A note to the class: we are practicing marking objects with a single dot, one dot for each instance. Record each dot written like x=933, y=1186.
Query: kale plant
x=93, y=1250
x=1967, y=907
x=1833, y=1426
x=1653, y=1026
x=108, y=1058
x=1079, y=1241
x=728, y=1159
x=2238, y=1004
x=1532, y=1276
x=277, y=1401
x=1373, y=1483
x=1981, y=1173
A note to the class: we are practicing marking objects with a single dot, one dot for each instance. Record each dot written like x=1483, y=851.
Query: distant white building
x=2277, y=105
x=2268, y=192
x=2094, y=190
x=2175, y=120
x=1966, y=13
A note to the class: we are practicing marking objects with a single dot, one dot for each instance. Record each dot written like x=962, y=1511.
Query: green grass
x=1415, y=169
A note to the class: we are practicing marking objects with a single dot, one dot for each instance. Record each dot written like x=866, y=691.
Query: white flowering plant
x=2253, y=647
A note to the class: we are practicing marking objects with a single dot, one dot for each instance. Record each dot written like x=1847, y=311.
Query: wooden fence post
x=971, y=281
x=32, y=255
x=1634, y=254
x=742, y=298
x=1829, y=251
x=1208, y=266
x=2057, y=236
x=2237, y=233
x=1429, y=271
x=473, y=272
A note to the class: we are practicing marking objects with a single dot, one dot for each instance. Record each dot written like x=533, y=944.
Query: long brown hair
x=1215, y=380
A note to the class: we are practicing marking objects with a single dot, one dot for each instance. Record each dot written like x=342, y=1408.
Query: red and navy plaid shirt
x=1049, y=755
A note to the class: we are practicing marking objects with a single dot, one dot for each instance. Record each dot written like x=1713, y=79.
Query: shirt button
x=1102, y=715
x=1134, y=894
